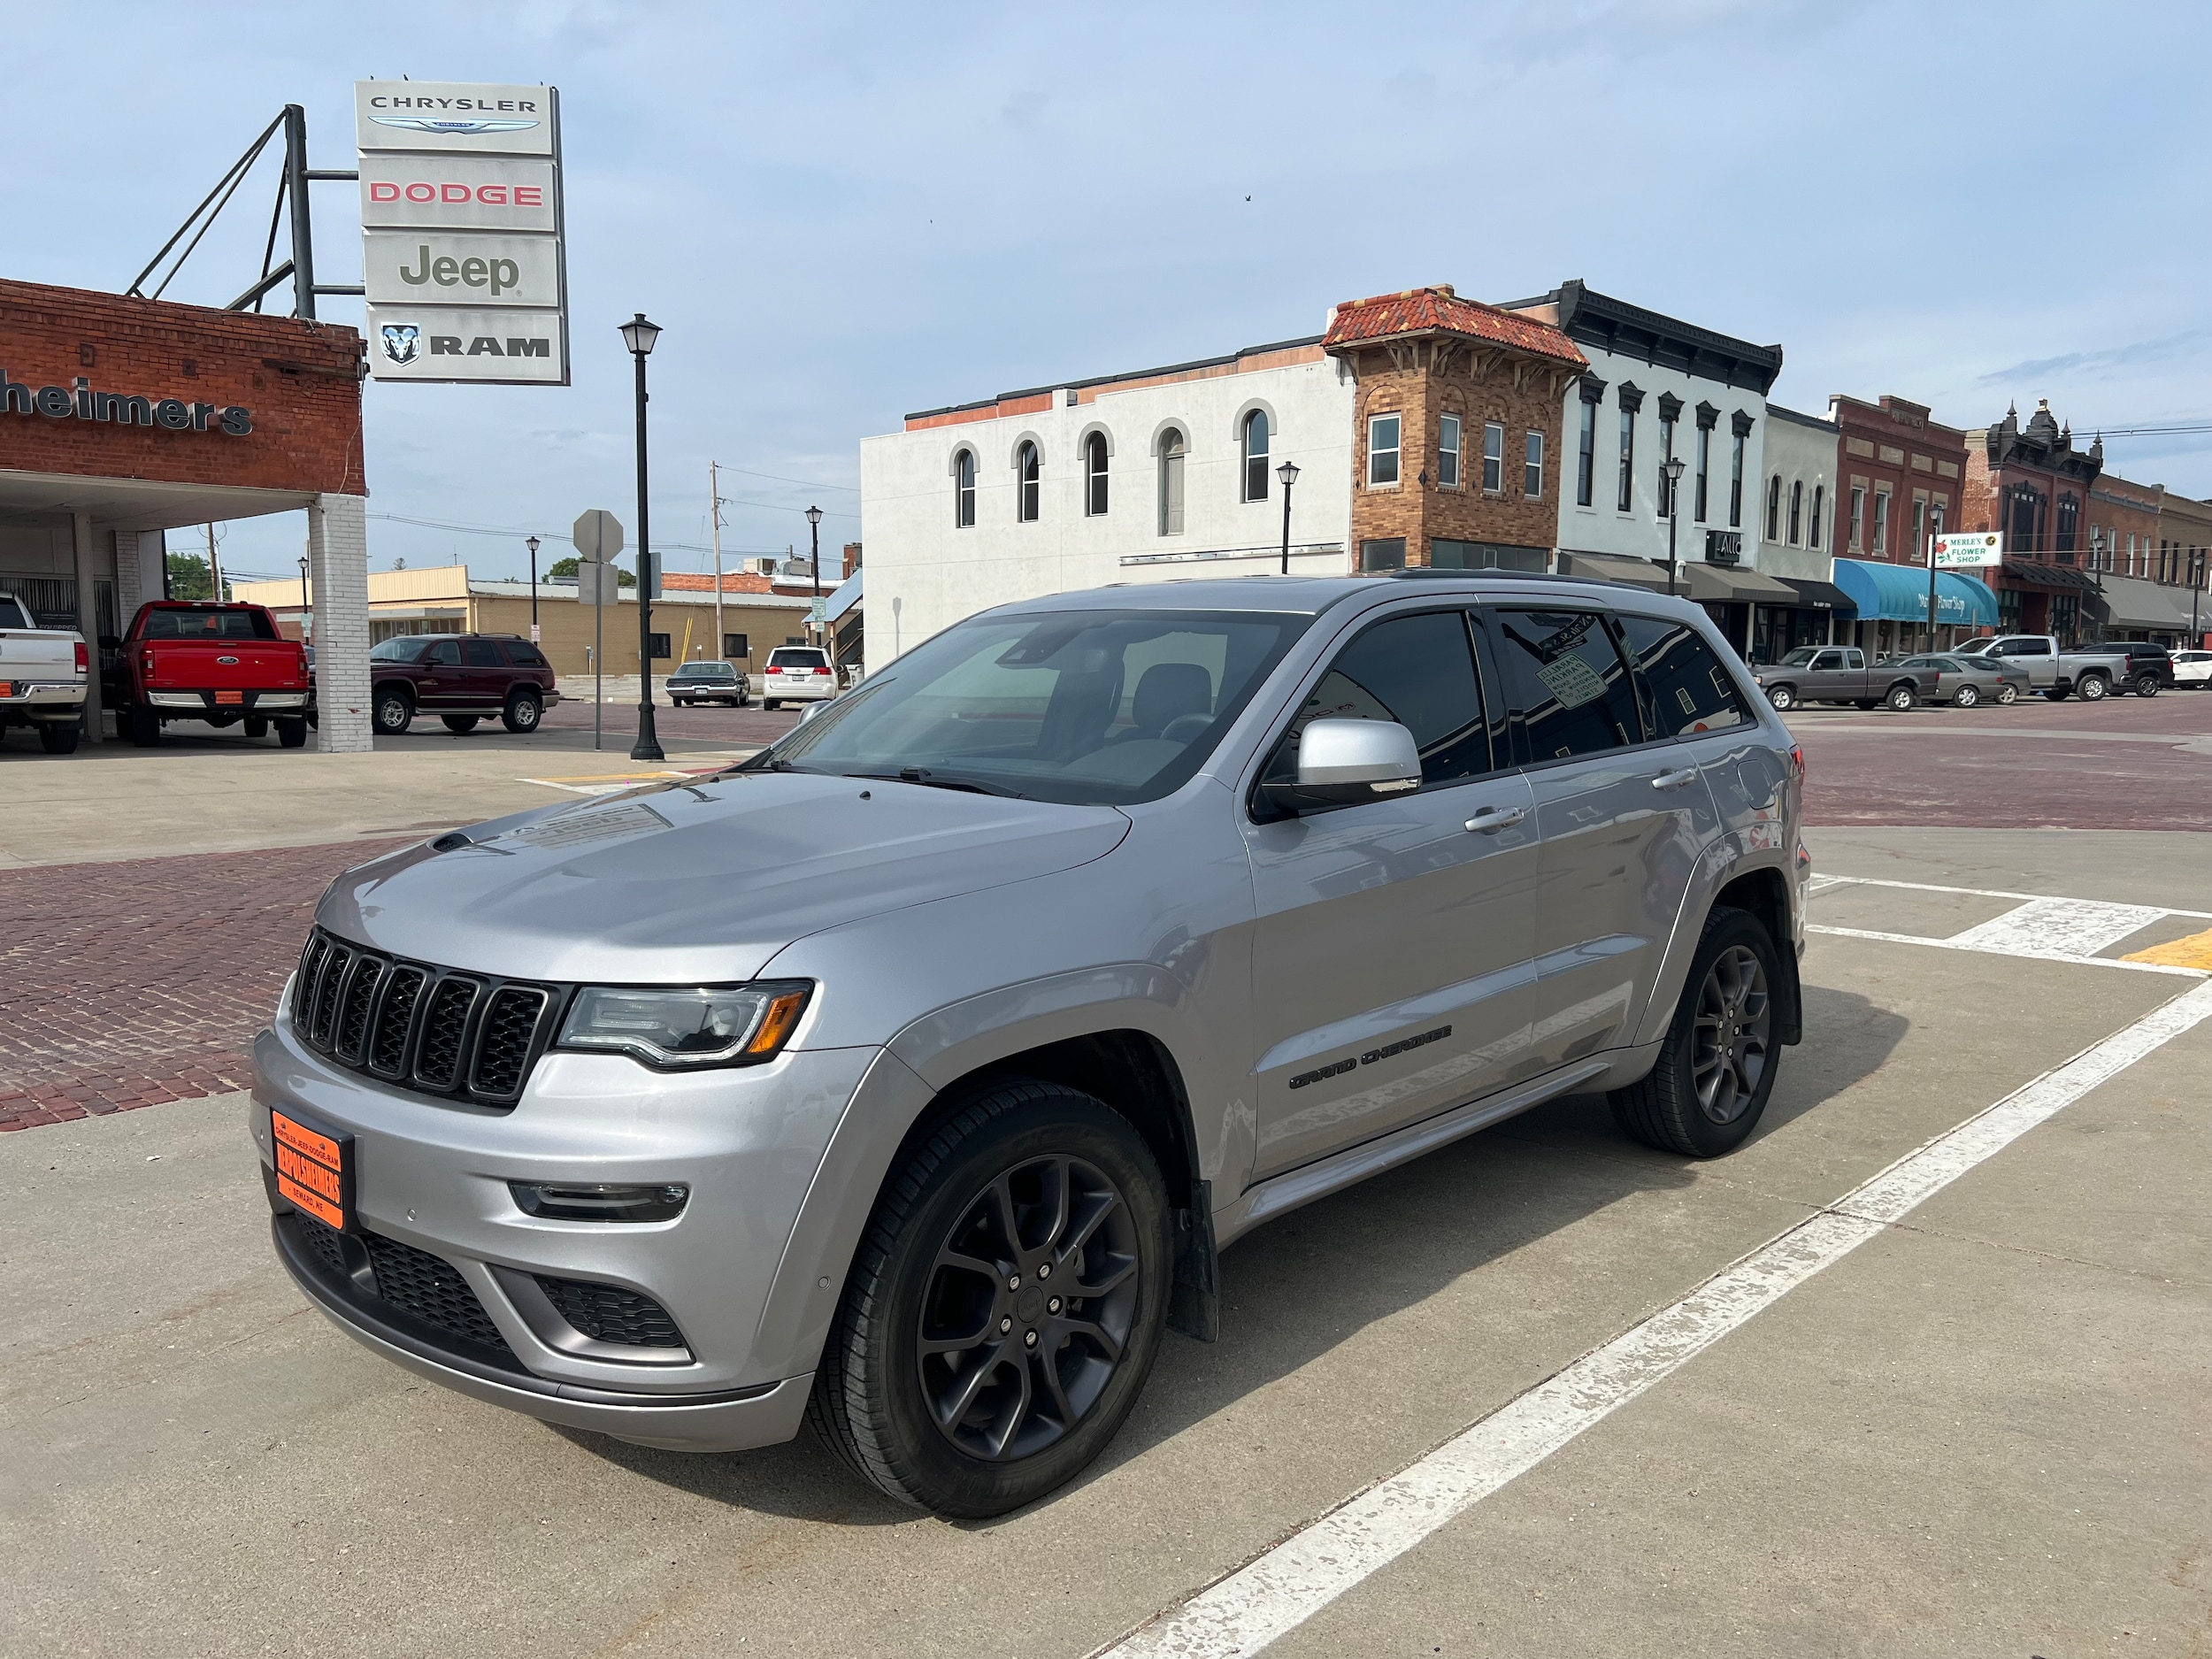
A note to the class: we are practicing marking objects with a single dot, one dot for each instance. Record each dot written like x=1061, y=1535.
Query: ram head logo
x=402, y=342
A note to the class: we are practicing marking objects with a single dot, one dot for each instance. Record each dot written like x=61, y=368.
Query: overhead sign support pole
x=302, y=229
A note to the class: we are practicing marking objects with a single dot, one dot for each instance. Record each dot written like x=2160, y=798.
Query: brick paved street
x=129, y=984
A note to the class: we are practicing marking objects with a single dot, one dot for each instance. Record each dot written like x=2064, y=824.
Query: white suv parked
x=798, y=673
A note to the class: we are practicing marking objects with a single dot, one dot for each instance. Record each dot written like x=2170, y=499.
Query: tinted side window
x=482, y=653
x=1686, y=690
x=1418, y=670
x=444, y=654
x=1569, y=685
x=525, y=656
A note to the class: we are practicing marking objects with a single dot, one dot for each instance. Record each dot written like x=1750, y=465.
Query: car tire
x=770, y=703
x=524, y=710
x=56, y=738
x=2008, y=694
x=2147, y=685
x=394, y=712
x=1965, y=697
x=292, y=734
x=1866, y=703
x=1028, y=1416
x=2055, y=693
x=2094, y=688
x=1696, y=1100
x=1900, y=699
x=257, y=726
x=145, y=727
x=1783, y=697
x=458, y=724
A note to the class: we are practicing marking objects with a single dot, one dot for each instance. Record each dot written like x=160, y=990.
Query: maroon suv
x=462, y=678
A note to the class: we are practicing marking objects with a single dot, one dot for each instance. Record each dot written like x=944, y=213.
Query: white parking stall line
x=2042, y=928
x=1286, y=1584
x=1821, y=884
x=2014, y=951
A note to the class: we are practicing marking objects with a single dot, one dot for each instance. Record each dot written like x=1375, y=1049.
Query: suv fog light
x=573, y=1201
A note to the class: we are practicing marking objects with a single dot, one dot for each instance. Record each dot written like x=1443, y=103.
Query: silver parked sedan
x=909, y=1077
x=1965, y=681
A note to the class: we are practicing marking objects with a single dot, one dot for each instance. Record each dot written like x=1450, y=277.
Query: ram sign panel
x=464, y=254
x=430, y=342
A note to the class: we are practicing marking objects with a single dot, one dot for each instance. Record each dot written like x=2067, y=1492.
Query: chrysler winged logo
x=466, y=128
x=401, y=341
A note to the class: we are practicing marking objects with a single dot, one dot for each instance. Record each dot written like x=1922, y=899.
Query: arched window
x=1026, y=495
x=963, y=490
x=1171, y=482
x=1820, y=505
x=1256, y=456
x=1095, y=475
x=1774, y=508
x=1797, y=510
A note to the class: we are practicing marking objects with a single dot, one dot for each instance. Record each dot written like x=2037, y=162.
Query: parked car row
x=2001, y=669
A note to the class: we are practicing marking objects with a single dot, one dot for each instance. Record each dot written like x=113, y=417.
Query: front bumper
x=431, y=1179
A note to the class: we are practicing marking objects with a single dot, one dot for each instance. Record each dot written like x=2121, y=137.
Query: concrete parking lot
x=1970, y=1419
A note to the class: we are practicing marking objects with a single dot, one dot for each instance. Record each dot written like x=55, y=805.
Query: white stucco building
x=1154, y=476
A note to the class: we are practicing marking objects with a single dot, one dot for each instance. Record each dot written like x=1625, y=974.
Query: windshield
x=1094, y=708
x=1799, y=657
x=708, y=670
x=208, y=624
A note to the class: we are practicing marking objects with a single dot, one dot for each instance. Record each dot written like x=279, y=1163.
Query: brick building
x=1902, y=479
x=2029, y=483
x=122, y=418
x=1455, y=462
x=2145, y=551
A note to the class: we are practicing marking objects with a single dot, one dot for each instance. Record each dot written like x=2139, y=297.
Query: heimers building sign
x=78, y=400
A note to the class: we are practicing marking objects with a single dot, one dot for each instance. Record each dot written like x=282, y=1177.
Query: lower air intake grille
x=431, y=1289
x=608, y=1313
x=325, y=1245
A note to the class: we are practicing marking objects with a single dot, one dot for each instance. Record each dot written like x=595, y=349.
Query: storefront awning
x=1812, y=595
x=1613, y=567
x=1726, y=584
x=1898, y=593
x=2133, y=602
x=2063, y=577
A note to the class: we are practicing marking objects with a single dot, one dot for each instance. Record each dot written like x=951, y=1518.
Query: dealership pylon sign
x=463, y=261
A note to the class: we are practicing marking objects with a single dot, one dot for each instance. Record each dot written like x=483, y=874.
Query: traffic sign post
x=597, y=535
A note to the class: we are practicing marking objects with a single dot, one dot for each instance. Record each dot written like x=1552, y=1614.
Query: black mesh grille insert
x=327, y=985
x=444, y=1026
x=353, y=1013
x=303, y=988
x=608, y=1313
x=503, y=1047
x=388, y=1053
x=431, y=1289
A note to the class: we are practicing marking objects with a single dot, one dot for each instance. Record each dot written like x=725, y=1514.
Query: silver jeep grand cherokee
x=909, y=1076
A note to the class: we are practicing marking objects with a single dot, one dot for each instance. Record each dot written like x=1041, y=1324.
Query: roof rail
x=1498, y=573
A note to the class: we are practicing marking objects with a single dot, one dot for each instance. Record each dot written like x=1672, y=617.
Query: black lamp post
x=640, y=336
x=1674, y=470
x=814, y=531
x=1288, y=472
x=531, y=543
x=305, y=604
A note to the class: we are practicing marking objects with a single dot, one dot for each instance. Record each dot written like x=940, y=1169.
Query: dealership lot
x=1979, y=1430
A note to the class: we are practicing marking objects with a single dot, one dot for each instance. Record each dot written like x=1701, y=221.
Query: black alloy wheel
x=1715, y=1068
x=524, y=710
x=1004, y=1308
x=1965, y=697
x=2147, y=685
x=394, y=712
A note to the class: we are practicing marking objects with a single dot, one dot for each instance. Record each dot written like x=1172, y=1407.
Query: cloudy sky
x=841, y=213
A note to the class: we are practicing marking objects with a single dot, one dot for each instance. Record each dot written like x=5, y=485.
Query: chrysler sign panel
x=463, y=256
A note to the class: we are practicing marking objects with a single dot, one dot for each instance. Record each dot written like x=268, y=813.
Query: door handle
x=1491, y=819
x=1675, y=779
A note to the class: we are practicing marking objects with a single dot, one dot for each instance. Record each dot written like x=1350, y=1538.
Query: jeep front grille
x=471, y=1036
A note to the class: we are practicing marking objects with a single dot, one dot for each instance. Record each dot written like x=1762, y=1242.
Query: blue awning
x=1898, y=593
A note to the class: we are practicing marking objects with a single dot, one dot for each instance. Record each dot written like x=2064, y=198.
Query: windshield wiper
x=933, y=781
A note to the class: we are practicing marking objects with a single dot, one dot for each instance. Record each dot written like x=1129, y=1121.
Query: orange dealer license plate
x=314, y=1169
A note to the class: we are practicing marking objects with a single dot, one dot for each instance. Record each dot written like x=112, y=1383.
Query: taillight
x=822, y=672
x=1797, y=760
x=84, y=659
x=146, y=664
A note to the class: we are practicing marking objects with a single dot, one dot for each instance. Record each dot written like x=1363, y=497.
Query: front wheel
x=2094, y=689
x=1901, y=698
x=1716, y=1068
x=1965, y=697
x=395, y=710
x=1004, y=1308
x=1783, y=697
x=524, y=710
x=2147, y=685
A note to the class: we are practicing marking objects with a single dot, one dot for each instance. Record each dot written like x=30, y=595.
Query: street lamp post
x=306, y=603
x=814, y=533
x=1674, y=469
x=1288, y=472
x=531, y=543
x=640, y=336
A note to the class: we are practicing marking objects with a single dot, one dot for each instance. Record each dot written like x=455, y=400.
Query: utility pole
x=714, y=521
x=214, y=566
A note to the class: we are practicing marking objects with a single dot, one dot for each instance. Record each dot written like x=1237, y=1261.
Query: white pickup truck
x=2091, y=673
x=43, y=674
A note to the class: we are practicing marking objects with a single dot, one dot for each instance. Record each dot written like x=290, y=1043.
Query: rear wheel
x=2008, y=693
x=2147, y=685
x=1004, y=1308
x=393, y=710
x=1716, y=1068
x=56, y=739
x=1901, y=698
x=458, y=723
x=2095, y=688
x=1965, y=697
x=145, y=727
x=770, y=703
x=1783, y=697
x=292, y=734
x=523, y=712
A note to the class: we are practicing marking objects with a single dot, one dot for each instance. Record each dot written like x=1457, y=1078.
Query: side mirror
x=1344, y=763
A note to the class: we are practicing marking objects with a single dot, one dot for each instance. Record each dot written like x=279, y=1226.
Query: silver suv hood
x=699, y=883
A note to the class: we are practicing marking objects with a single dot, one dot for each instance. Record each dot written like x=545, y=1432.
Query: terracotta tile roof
x=1438, y=310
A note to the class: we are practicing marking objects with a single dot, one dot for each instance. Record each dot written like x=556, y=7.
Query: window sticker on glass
x=1572, y=682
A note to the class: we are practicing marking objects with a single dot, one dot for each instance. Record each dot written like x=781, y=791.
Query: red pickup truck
x=188, y=660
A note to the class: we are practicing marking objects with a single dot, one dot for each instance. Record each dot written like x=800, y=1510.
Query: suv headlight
x=680, y=1029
